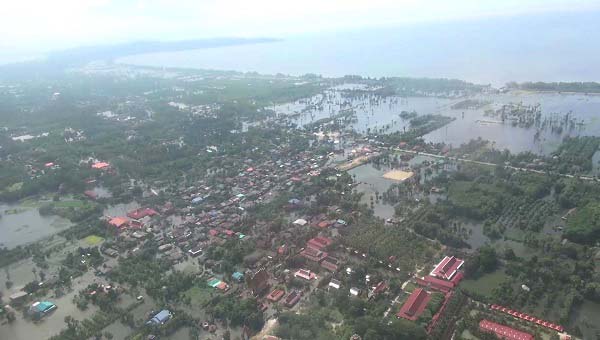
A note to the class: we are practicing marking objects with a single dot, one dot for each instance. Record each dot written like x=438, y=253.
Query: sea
x=491, y=50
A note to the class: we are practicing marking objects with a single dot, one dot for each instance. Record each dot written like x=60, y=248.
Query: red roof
x=415, y=305
x=313, y=254
x=447, y=267
x=213, y=232
x=141, y=213
x=100, y=165
x=527, y=317
x=318, y=242
x=324, y=224
x=438, y=284
x=503, y=332
x=275, y=295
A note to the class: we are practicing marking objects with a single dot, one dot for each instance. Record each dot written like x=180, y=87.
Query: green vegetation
x=93, y=240
x=584, y=224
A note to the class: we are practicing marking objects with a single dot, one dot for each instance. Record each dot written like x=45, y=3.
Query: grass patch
x=199, y=295
x=69, y=204
x=14, y=187
x=485, y=283
x=93, y=240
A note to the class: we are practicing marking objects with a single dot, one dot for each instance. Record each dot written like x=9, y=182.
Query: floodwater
x=372, y=114
x=584, y=109
x=53, y=323
x=383, y=115
x=370, y=182
x=121, y=209
x=587, y=317
x=21, y=224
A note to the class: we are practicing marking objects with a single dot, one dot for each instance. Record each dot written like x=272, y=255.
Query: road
x=464, y=160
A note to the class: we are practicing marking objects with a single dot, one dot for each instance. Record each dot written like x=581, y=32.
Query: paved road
x=464, y=160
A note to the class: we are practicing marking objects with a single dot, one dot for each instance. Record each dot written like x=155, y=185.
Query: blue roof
x=237, y=275
x=162, y=316
x=44, y=306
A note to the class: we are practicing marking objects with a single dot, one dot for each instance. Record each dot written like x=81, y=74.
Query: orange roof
x=118, y=221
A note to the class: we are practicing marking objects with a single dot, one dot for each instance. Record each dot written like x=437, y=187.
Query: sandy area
x=398, y=175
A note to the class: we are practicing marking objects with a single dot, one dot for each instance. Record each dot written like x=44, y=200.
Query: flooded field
x=371, y=182
x=22, y=224
x=120, y=209
x=372, y=113
x=587, y=318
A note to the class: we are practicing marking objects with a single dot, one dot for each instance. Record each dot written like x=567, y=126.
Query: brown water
x=21, y=224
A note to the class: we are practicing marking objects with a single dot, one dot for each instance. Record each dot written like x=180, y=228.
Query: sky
x=33, y=26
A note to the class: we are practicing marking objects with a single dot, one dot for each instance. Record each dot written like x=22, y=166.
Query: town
x=195, y=206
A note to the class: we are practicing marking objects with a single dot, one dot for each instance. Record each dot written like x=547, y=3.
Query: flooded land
x=22, y=224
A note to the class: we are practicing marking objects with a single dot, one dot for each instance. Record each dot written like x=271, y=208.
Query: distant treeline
x=583, y=87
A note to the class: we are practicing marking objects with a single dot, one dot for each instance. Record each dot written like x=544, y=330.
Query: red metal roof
x=447, y=267
x=415, y=305
x=504, y=332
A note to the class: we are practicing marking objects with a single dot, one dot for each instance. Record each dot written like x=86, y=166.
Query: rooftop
x=447, y=267
x=503, y=332
x=415, y=305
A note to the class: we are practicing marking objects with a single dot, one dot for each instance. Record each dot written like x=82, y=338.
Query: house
x=502, y=331
x=331, y=263
x=305, y=274
x=335, y=284
x=354, y=291
x=18, y=297
x=141, y=213
x=292, y=299
x=195, y=251
x=300, y=222
x=160, y=318
x=90, y=194
x=239, y=277
x=40, y=309
x=100, y=165
x=415, y=305
x=119, y=222
x=276, y=295
x=313, y=254
x=319, y=243
x=447, y=268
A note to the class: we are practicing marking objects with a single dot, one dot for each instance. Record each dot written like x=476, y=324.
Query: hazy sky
x=34, y=25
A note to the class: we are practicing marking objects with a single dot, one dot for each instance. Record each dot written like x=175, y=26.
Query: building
x=305, y=274
x=447, y=268
x=195, y=251
x=331, y=263
x=435, y=283
x=318, y=243
x=415, y=305
x=313, y=254
x=239, y=277
x=335, y=284
x=18, y=297
x=141, y=213
x=292, y=299
x=160, y=318
x=40, y=309
x=276, y=295
x=119, y=222
x=100, y=165
x=300, y=222
x=503, y=332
